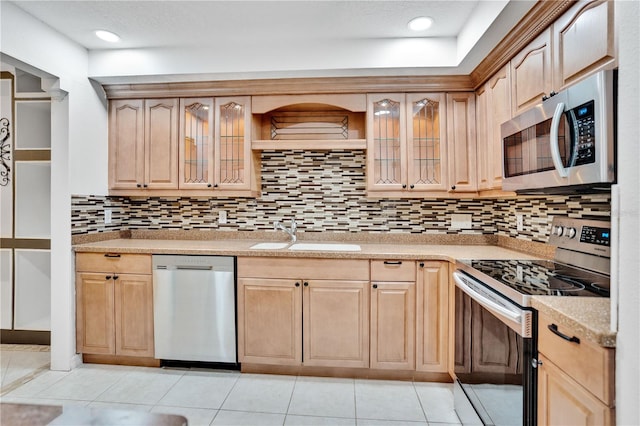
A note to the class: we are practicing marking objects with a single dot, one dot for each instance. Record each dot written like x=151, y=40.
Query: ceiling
x=343, y=37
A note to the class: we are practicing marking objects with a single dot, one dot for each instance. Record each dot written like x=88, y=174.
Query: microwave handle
x=553, y=141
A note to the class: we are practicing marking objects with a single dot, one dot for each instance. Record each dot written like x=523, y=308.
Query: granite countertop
x=588, y=317
x=369, y=250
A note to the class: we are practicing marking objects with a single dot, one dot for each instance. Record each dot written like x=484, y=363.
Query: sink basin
x=269, y=246
x=325, y=247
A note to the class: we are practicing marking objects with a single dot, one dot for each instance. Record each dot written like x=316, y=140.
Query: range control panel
x=583, y=235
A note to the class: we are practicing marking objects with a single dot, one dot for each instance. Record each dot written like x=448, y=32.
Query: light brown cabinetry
x=531, y=73
x=421, y=144
x=320, y=305
x=575, y=378
x=432, y=317
x=190, y=146
x=583, y=41
x=114, y=304
x=143, y=144
x=393, y=309
x=493, y=109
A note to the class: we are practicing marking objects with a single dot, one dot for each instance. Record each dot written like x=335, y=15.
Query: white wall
x=628, y=341
x=79, y=151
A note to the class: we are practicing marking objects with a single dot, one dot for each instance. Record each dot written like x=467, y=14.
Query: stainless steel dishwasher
x=194, y=308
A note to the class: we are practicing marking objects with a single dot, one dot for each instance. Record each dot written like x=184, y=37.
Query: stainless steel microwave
x=564, y=144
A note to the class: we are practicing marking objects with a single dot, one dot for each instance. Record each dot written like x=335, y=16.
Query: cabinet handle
x=108, y=277
x=421, y=264
x=114, y=255
x=215, y=185
x=138, y=185
x=375, y=286
x=453, y=187
x=389, y=262
x=208, y=185
x=404, y=185
x=554, y=329
x=297, y=284
x=115, y=277
x=145, y=185
x=306, y=284
x=412, y=186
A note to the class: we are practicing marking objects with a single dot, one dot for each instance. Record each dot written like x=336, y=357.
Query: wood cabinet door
x=393, y=306
x=386, y=142
x=461, y=142
x=562, y=401
x=483, y=138
x=195, y=152
x=161, y=143
x=426, y=142
x=134, y=315
x=126, y=144
x=432, y=317
x=498, y=111
x=531, y=73
x=336, y=323
x=233, y=167
x=583, y=41
x=269, y=321
x=95, y=333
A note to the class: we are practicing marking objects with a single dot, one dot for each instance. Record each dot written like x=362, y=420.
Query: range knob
x=569, y=232
x=557, y=230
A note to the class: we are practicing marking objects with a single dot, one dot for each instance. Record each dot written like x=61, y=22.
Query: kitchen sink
x=325, y=247
x=269, y=246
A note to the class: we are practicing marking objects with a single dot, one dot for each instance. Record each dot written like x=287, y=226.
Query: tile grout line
x=295, y=382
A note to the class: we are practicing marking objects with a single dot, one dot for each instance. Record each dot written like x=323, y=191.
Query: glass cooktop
x=543, y=277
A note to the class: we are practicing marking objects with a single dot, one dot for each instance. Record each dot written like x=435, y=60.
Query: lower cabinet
x=114, y=308
x=432, y=317
x=575, y=378
x=393, y=311
x=303, y=311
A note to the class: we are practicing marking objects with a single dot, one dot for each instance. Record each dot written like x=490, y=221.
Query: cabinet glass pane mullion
x=426, y=142
x=196, y=143
x=232, y=143
x=386, y=115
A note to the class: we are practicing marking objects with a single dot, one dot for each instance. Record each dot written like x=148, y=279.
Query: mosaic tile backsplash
x=325, y=192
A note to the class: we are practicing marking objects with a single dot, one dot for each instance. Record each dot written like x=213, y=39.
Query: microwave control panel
x=585, y=131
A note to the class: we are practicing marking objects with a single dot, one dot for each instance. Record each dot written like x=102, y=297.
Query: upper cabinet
x=409, y=138
x=531, y=77
x=166, y=146
x=584, y=41
x=143, y=144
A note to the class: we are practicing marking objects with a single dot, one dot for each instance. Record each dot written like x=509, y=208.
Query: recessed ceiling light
x=107, y=36
x=420, y=23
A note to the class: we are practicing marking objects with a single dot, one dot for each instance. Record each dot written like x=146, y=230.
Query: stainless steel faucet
x=277, y=225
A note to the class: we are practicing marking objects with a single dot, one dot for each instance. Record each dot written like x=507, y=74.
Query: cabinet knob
x=145, y=185
x=138, y=185
x=209, y=185
x=375, y=286
x=453, y=187
x=115, y=277
x=215, y=185
x=404, y=185
x=306, y=284
x=412, y=186
x=297, y=284
x=108, y=277
x=421, y=264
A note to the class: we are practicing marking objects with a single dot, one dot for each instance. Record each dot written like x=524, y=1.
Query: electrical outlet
x=107, y=216
x=222, y=217
x=519, y=222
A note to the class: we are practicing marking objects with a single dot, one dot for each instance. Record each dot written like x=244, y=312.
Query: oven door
x=494, y=349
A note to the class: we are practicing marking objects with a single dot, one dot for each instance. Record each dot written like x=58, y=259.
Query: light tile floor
x=208, y=397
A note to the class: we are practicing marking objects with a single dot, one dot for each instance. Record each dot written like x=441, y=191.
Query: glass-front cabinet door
x=196, y=143
x=386, y=135
x=426, y=140
x=233, y=142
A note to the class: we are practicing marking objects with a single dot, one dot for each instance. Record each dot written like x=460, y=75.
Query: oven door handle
x=553, y=141
x=484, y=301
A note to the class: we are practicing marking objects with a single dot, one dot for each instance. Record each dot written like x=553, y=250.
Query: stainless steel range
x=496, y=339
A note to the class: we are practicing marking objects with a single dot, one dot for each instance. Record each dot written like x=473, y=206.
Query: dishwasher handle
x=193, y=268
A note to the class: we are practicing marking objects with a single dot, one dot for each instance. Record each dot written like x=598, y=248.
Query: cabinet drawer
x=587, y=363
x=393, y=270
x=301, y=268
x=114, y=262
